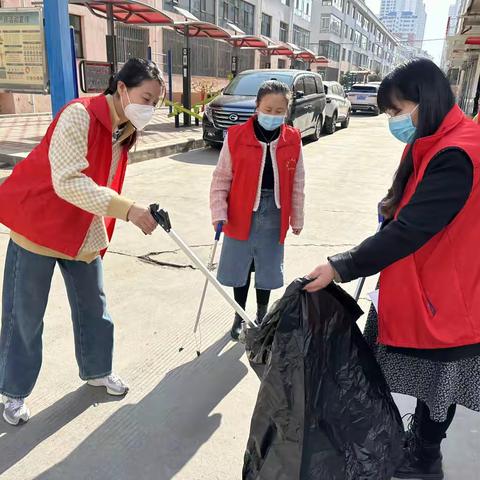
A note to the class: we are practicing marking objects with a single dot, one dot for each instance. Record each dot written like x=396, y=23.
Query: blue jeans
x=26, y=287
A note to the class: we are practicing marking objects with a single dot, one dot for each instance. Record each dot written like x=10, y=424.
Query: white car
x=363, y=97
x=338, y=107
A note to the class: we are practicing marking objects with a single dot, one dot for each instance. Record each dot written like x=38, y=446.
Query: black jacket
x=439, y=197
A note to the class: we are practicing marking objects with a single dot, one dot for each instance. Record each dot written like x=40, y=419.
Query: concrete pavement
x=187, y=418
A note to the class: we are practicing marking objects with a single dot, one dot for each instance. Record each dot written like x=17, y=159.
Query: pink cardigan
x=222, y=179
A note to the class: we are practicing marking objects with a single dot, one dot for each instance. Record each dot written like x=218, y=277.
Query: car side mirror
x=299, y=94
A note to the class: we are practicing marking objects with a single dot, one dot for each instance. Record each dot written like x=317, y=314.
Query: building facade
x=406, y=19
x=351, y=36
x=462, y=55
x=346, y=32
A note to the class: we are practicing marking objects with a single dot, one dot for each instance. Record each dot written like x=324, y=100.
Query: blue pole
x=74, y=62
x=59, y=53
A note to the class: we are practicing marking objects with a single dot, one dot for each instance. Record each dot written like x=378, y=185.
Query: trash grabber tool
x=361, y=282
x=162, y=218
x=218, y=233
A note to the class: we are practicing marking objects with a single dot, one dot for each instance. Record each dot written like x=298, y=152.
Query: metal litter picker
x=163, y=219
x=361, y=282
x=218, y=233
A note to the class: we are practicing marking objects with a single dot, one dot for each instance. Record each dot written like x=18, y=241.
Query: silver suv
x=363, y=97
x=338, y=107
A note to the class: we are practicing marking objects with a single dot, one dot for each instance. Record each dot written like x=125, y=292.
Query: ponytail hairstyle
x=133, y=73
x=422, y=82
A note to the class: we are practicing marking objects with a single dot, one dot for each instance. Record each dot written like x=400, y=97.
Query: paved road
x=187, y=418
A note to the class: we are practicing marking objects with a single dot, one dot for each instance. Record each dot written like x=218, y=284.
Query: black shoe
x=236, y=327
x=261, y=312
x=422, y=461
x=413, y=426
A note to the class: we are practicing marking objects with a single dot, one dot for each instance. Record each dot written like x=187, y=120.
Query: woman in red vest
x=427, y=331
x=60, y=204
x=257, y=193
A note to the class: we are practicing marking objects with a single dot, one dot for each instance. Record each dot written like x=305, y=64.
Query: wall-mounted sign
x=94, y=76
x=23, y=66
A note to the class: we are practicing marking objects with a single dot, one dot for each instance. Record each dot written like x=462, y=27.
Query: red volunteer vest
x=247, y=153
x=431, y=299
x=28, y=203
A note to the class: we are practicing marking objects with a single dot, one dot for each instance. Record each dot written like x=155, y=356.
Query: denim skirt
x=262, y=248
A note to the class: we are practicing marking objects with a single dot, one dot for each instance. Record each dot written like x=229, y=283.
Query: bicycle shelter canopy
x=199, y=29
x=130, y=12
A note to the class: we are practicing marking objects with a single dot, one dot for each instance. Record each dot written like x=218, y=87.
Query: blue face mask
x=270, y=122
x=402, y=127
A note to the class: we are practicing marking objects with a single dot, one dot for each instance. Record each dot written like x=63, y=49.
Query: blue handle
x=218, y=232
x=381, y=218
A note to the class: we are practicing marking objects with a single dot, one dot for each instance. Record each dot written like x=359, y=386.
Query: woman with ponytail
x=426, y=334
x=61, y=204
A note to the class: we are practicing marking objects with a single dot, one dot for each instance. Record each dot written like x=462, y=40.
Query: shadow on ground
x=155, y=438
x=203, y=156
x=17, y=442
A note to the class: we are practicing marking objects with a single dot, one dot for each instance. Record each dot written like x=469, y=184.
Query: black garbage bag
x=324, y=410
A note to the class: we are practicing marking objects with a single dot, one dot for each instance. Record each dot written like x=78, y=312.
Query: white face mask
x=139, y=115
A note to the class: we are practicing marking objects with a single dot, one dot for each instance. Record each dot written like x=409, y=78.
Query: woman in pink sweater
x=257, y=192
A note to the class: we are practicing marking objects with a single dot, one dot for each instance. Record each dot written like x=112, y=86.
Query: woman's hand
x=323, y=275
x=297, y=231
x=142, y=218
x=216, y=222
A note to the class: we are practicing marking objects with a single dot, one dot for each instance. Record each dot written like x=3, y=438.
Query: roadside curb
x=149, y=153
x=140, y=155
x=26, y=115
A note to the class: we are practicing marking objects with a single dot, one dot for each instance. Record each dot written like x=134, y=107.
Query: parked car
x=363, y=97
x=338, y=107
x=237, y=103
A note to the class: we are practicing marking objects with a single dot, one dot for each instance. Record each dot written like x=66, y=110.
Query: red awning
x=200, y=29
x=321, y=59
x=306, y=55
x=280, y=49
x=472, y=41
x=247, y=41
x=127, y=11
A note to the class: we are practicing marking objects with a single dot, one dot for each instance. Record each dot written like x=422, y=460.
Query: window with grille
x=76, y=23
x=266, y=25
x=301, y=37
x=131, y=42
x=283, y=32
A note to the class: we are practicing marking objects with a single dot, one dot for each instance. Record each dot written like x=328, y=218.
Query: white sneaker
x=114, y=385
x=15, y=411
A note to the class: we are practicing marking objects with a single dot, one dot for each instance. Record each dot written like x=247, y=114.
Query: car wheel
x=331, y=124
x=346, y=122
x=318, y=129
x=376, y=112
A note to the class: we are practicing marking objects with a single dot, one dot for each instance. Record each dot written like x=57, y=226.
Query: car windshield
x=249, y=85
x=363, y=89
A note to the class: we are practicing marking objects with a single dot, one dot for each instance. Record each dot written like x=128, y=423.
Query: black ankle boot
x=423, y=460
x=236, y=327
x=261, y=312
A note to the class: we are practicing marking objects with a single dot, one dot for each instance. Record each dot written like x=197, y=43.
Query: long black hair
x=422, y=82
x=133, y=74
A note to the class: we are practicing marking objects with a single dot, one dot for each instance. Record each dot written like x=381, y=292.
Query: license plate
x=361, y=97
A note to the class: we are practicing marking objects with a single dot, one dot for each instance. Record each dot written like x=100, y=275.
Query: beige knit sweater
x=67, y=155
